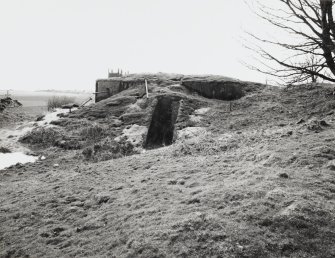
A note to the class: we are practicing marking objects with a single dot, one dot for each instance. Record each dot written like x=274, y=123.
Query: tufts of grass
x=44, y=137
x=59, y=101
x=93, y=133
x=203, y=145
x=108, y=149
x=4, y=150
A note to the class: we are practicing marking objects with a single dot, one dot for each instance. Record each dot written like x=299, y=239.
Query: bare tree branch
x=313, y=57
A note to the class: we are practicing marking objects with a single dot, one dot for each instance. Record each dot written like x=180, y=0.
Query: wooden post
x=146, y=88
x=85, y=102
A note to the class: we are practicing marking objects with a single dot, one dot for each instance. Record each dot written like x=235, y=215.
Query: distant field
x=40, y=99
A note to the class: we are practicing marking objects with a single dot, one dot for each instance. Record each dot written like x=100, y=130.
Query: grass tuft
x=4, y=150
x=59, y=101
x=45, y=137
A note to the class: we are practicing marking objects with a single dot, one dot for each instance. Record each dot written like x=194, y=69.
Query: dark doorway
x=162, y=123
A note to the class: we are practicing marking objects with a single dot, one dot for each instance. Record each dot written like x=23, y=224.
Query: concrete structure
x=216, y=89
x=105, y=88
x=111, y=74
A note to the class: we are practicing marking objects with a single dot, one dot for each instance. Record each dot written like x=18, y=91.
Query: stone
x=283, y=175
x=301, y=121
x=102, y=198
x=331, y=165
x=323, y=123
x=40, y=118
x=314, y=126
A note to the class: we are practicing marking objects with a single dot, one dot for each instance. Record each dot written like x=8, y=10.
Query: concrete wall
x=224, y=90
x=106, y=88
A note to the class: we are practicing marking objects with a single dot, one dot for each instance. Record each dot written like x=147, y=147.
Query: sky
x=68, y=44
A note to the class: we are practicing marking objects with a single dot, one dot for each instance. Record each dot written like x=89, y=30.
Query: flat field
x=40, y=99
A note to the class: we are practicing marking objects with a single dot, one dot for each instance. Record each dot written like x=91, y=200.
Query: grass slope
x=258, y=183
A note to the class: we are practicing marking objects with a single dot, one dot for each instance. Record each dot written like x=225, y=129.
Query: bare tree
x=312, y=62
x=310, y=47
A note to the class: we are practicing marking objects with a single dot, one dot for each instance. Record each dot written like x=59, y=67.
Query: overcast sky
x=68, y=44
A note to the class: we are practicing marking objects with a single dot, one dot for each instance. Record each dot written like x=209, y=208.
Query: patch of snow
x=53, y=116
x=133, y=108
x=133, y=134
x=9, y=137
x=195, y=119
x=9, y=159
x=190, y=132
x=201, y=111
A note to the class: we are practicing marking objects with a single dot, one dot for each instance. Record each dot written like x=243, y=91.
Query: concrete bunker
x=105, y=88
x=161, y=129
x=223, y=90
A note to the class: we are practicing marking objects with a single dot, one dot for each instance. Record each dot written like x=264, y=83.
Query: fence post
x=146, y=88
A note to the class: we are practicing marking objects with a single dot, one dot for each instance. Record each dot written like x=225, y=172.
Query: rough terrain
x=256, y=181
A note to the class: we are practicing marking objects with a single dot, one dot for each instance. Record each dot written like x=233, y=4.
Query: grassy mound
x=253, y=181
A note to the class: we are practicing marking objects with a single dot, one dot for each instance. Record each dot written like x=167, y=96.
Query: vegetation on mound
x=8, y=102
x=108, y=149
x=4, y=150
x=101, y=145
x=95, y=141
x=116, y=127
x=43, y=137
x=94, y=133
x=12, y=116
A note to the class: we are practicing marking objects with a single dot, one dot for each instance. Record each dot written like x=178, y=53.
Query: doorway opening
x=161, y=129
